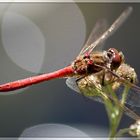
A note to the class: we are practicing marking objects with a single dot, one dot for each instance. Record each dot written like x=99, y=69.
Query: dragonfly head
x=115, y=58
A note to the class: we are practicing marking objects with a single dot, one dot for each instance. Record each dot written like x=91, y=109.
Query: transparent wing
x=99, y=28
x=133, y=97
x=117, y=23
x=71, y=83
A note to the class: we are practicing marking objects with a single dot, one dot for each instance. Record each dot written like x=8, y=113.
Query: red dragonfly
x=90, y=61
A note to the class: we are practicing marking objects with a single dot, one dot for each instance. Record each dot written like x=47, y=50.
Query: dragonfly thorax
x=87, y=64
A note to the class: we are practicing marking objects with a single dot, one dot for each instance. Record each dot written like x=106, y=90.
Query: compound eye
x=114, y=56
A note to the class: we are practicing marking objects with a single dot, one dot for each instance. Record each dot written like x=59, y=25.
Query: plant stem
x=116, y=113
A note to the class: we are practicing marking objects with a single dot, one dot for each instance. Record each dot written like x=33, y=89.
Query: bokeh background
x=43, y=37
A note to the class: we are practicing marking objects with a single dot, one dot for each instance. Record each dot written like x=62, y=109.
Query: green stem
x=116, y=112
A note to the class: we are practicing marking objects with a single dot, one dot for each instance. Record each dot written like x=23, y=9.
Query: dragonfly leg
x=103, y=78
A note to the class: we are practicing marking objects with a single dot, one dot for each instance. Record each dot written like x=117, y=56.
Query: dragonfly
x=93, y=64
